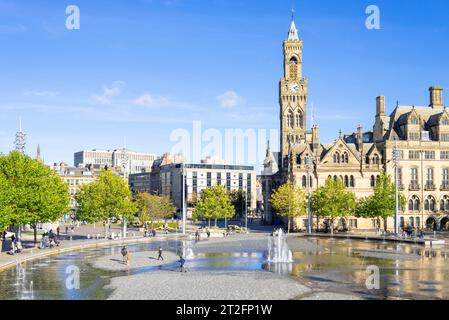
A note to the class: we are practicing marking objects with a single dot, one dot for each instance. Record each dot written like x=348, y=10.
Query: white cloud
x=18, y=28
x=153, y=101
x=45, y=94
x=230, y=100
x=109, y=92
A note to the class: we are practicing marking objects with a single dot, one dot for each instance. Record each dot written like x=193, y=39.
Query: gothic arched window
x=373, y=181
x=444, y=205
x=299, y=120
x=345, y=157
x=290, y=120
x=352, y=182
x=414, y=204
x=304, y=181
x=430, y=204
x=336, y=157
x=293, y=68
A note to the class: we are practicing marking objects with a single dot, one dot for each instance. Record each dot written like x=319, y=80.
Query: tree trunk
x=216, y=223
x=35, y=233
x=332, y=227
x=288, y=225
x=385, y=224
x=209, y=223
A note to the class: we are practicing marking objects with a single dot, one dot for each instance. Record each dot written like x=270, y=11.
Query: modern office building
x=167, y=175
x=135, y=162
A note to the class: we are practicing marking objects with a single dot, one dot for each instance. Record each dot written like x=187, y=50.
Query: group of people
x=149, y=233
x=411, y=232
x=127, y=258
x=50, y=239
x=16, y=245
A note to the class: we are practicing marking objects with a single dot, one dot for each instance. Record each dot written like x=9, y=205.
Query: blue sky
x=139, y=69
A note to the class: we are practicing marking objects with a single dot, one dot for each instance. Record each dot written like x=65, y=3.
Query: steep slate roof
x=428, y=116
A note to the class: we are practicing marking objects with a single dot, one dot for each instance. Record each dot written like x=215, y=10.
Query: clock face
x=294, y=87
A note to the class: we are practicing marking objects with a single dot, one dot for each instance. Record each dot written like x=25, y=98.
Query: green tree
x=30, y=192
x=215, y=204
x=382, y=203
x=108, y=197
x=333, y=200
x=289, y=201
x=6, y=211
x=238, y=201
x=153, y=208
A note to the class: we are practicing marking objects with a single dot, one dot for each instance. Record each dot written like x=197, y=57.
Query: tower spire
x=38, y=153
x=293, y=32
x=19, y=142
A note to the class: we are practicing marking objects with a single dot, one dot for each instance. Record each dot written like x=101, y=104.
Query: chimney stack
x=360, y=138
x=315, y=138
x=380, y=106
x=436, y=97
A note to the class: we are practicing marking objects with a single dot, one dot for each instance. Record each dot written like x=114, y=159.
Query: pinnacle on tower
x=293, y=32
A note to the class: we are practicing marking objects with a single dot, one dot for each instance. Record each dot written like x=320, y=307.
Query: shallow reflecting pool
x=406, y=271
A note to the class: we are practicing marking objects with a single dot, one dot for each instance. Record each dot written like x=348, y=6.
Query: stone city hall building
x=421, y=133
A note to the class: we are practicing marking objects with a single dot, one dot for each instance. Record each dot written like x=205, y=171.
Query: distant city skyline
x=131, y=72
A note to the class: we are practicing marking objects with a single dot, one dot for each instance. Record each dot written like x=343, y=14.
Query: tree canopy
x=289, y=201
x=108, y=197
x=215, y=204
x=333, y=200
x=382, y=203
x=238, y=201
x=153, y=207
x=30, y=192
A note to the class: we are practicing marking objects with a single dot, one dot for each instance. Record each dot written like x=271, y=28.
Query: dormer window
x=413, y=136
x=414, y=121
x=445, y=122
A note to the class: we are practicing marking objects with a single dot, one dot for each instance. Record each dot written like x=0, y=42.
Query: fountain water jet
x=278, y=251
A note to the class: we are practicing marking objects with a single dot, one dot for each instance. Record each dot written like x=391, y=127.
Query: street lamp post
x=396, y=159
x=184, y=209
x=309, y=211
x=246, y=211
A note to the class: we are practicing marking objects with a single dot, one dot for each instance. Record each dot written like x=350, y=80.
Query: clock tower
x=292, y=94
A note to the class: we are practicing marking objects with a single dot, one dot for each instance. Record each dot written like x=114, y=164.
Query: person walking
x=208, y=233
x=160, y=257
x=57, y=231
x=124, y=253
x=197, y=235
x=182, y=261
x=66, y=229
